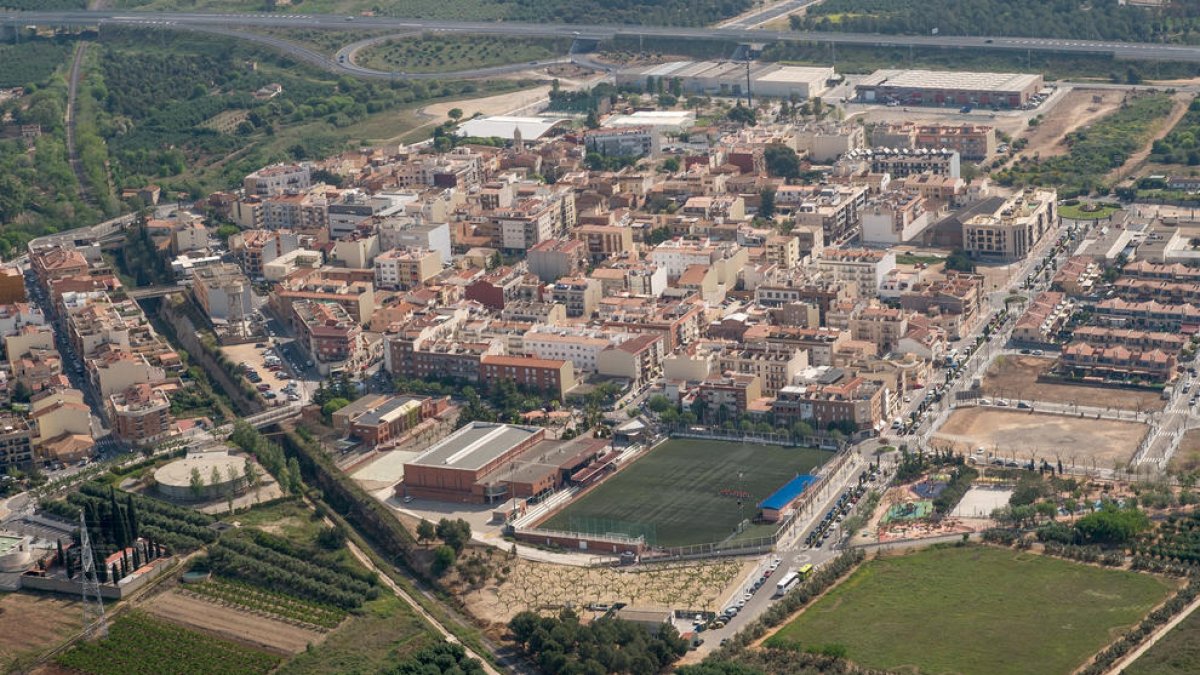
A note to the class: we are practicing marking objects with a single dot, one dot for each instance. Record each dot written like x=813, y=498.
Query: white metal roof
x=505, y=126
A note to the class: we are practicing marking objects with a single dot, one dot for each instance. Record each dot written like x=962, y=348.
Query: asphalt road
x=231, y=22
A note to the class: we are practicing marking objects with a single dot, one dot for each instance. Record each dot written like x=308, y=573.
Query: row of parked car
x=841, y=509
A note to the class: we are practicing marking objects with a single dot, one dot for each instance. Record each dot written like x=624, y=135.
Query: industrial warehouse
x=935, y=87
x=484, y=463
x=729, y=78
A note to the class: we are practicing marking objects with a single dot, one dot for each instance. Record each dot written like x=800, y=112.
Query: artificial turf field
x=674, y=491
x=975, y=609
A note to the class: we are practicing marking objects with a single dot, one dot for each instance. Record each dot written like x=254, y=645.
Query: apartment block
x=776, y=365
x=638, y=359
x=552, y=377
x=728, y=396
x=845, y=399
x=865, y=267
x=329, y=333
x=835, y=209
x=973, y=142
x=1043, y=318
x=140, y=414
x=406, y=269
x=1117, y=362
x=634, y=141
x=579, y=295
x=1012, y=231
x=894, y=217
x=604, y=241
x=553, y=259
x=277, y=179
x=223, y=292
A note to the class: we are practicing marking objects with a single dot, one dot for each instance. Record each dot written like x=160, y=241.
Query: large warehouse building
x=935, y=87
x=728, y=78
x=484, y=463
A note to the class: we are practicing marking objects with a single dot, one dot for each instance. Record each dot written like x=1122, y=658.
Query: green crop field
x=673, y=493
x=975, y=609
x=1178, y=653
x=137, y=643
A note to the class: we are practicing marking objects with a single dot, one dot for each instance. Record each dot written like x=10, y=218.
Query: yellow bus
x=804, y=571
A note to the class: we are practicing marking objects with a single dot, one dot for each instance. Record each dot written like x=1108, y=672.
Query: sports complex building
x=939, y=87
x=486, y=463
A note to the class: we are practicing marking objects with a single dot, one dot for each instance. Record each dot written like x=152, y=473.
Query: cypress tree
x=70, y=569
x=131, y=513
x=115, y=576
x=137, y=558
x=116, y=522
x=124, y=567
x=101, y=570
x=60, y=552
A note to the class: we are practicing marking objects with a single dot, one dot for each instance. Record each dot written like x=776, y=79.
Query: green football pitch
x=673, y=494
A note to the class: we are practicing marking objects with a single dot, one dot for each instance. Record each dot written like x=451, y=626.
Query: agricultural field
x=1079, y=441
x=139, y=643
x=445, y=53
x=673, y=494
x=384, y=631
x=251, y=598
x=1176, y=539
x=1016, y=377
x=32, y=623
x=927, y=611
x=1177, y=653
x=529, y=585
x=232, y=621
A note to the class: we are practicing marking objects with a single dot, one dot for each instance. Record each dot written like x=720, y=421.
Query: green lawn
x=672, y=493
x=976, y=609
x=1076, y=212
x=911, y=259
x=1178, y=653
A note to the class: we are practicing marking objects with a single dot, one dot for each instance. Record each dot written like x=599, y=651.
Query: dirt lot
x=532, y=585
x=232, y=624
x=1025, y=435
x=1187, y=457
x=1077, y=108
x=1015, y=377
x=31, y=623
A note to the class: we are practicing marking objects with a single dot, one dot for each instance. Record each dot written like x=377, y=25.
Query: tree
x=295, y=484
x=131, y=518
x=455, y=114
x=659, y=403
x=425, y=531
x=332, y=406
x=742, y=115
x=455, y=533
x=766, y=204
x=670, y=164
x=781, y=161
x=443, y=559
x=196, y=483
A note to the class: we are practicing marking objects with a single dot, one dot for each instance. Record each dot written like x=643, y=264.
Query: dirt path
x=1138, y=158
x=416, y=606
x=1079, y=107
x=1154, y=638
x=232, y=624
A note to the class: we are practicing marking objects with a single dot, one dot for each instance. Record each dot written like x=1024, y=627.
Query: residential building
x=865, y=267
x=728, y=396
x=354, y=291
x=973, y=142
x=552, y=377
x=277, y=179
x=635, y=141
x=957, y=294
x=835, y=209
x=783, y=251
x=12, y=285
x=579, y=295
x=328, y=333
x=1136, y=340
x=1044, y=318
x=881, y=326
x=1117, y=362
x=894, y=217
x=140, y=414
x=254, y=249
x=837, y=398
x=1014, y=229
x=553, y=259
x=638, y=359
x=581, y=347
x=406, y=269
x=1150, y=314
x=223, y=292
x=776, y=365
x=1079, y=277
x=16, y=446
x=604, y=241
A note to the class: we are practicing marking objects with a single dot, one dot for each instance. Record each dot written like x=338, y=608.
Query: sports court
x=687, y=491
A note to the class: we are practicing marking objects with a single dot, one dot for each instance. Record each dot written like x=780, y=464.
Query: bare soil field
x=1077, y=108
x=1015, y=377
x=1078, y=440
x=31, y=623
x=1187, y=456
x=232, y=624
x=534, y=585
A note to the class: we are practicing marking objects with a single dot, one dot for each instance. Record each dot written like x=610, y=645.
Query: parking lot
x=267, y=372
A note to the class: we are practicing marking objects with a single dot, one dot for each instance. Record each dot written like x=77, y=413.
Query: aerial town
x=377, y=344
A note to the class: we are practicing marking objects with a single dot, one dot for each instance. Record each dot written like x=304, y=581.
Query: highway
x=234, y=22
